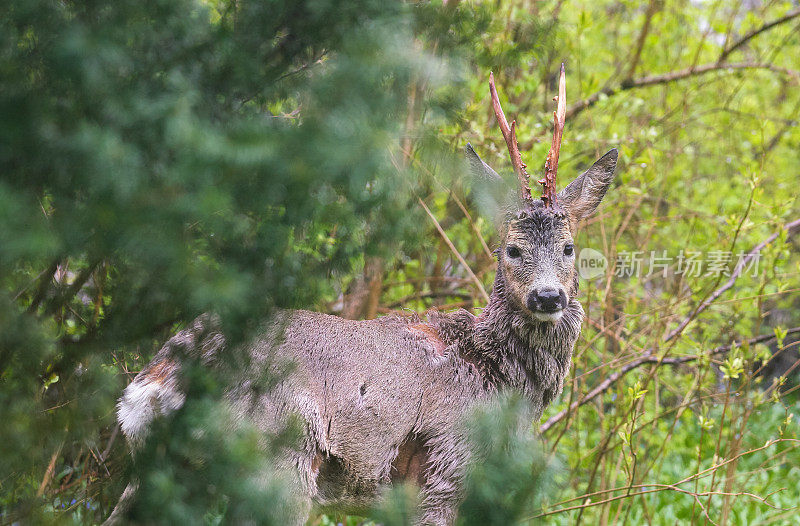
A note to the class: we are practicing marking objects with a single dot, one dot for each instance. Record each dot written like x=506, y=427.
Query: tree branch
x=791, y=228
x=648, y=17
x=374, y=270
x=648, y=357
x=454, y=250
x=429, y=295
x=45, y=278
x=73, y=289
x=749, y=36
x=666, y=78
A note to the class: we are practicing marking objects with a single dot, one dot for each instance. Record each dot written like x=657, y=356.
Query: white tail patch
x=153, y=392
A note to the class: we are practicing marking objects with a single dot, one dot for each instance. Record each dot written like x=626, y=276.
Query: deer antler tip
x=551, y=163
x=510, y=136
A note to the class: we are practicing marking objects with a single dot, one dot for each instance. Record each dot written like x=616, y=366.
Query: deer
x=382, y=401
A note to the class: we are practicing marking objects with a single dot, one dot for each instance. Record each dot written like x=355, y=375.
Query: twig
x=428, y=295
x=738, y=230
x=73, y=289
x=658, y=488
x=648, y=357
x=455, y=251
x=652, y=7
x=665, y=78
x=107, y=450
x=790, y=229
x=486, y=250
x=675, y=485
x=46, y=277
x=458, y=202
x=99, y=460
x=788, y=123
x=736, y=458
x=48, y=474
x=410, y=281
x=749, y=36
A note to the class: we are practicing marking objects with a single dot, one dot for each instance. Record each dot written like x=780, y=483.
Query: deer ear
x=582, y=195
x=493, y=195
x=478, y=168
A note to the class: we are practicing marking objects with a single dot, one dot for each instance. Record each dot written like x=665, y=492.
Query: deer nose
x=547, y=300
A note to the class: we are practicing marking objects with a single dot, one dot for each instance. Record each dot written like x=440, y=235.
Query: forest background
x=164, y=158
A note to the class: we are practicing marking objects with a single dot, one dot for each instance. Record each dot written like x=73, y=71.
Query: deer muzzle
x=547, y=303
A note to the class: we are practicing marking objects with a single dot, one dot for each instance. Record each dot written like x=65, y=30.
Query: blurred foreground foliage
x=159, y=159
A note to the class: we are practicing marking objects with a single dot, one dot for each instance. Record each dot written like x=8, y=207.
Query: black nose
x=547, y=300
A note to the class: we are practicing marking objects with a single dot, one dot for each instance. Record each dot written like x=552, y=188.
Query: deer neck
x=514, y=350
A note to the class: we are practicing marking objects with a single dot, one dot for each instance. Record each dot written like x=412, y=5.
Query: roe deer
x=383, y=400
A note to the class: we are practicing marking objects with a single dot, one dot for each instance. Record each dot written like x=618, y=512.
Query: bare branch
x=44, y=282
x=650, y=80
x=429, y=295
x=665, y=78
x=648, y=357
x=749, y=36
x=790, y=228
x=588, y=502
x=73, y=289
x=652, y=7
x=690, y=478
x=510, y=136
x=50, y=471
x=107, y=450
x=456, y=253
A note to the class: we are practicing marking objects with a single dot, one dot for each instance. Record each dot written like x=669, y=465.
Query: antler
x=510, y=135
x=551, y=164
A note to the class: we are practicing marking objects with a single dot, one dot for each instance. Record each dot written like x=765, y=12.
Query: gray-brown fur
x=384, y=400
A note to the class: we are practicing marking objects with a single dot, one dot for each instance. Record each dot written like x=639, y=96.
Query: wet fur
x=384, y=400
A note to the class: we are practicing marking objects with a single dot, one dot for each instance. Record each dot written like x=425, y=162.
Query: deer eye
x=513, y=252
x=569, y=249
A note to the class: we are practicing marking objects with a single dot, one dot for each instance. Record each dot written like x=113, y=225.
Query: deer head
x=536, y=259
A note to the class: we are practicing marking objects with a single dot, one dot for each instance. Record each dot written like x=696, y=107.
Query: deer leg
x=292, y=471
x=117, y=515
x=440, y=494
